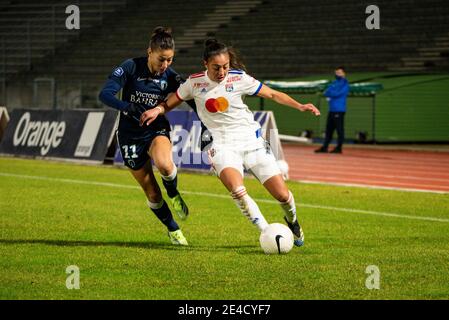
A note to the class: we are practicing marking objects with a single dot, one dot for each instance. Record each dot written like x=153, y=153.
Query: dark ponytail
x=161, y=39
x=212, y=48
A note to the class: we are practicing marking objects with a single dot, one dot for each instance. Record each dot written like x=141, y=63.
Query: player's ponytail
x=212, y=48
x=235, y=61
x=162, y=39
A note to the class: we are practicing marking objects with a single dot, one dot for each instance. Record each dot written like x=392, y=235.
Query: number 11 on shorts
x=131, y=148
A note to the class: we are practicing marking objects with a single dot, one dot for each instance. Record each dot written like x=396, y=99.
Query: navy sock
x=171, y=186
x=165, y=216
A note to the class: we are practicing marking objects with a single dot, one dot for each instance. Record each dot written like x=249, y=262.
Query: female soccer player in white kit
x=237, y=141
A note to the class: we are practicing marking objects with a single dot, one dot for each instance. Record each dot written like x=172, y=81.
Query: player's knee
x=165, y=166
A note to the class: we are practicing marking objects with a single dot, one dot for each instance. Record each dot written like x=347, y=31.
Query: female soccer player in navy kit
x=237, y=141
x=146, y=82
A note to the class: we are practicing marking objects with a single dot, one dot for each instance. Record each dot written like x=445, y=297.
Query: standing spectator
x=336, y=94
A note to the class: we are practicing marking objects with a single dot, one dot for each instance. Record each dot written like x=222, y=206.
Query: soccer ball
x=276, y=238
x=283, y=166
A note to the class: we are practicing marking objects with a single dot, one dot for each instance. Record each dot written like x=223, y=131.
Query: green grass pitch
x=54, y=215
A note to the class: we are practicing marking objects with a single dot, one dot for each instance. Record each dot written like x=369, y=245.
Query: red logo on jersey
x=200, y=85
x=234, y=78
x=217, y=105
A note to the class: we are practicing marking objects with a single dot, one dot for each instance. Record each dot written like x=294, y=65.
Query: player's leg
x=330, y=127
x=229, y=168
x=161, y=153
x=145, y=177
x=339, y=125
x=278, y=189
x=136, y=158
x=262, y=164
x=233, y=181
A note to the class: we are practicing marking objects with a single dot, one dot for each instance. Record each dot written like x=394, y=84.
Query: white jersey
x=221, y=108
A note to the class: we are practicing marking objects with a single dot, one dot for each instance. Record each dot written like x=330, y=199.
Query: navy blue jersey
x=142, y=90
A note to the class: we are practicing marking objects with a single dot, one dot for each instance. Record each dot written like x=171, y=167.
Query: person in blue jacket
x=145, y=83
x=336, y=94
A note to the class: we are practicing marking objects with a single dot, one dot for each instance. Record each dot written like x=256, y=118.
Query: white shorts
x=260, y=162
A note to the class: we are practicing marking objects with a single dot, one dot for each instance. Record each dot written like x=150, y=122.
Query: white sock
x=154, y=205
x=289, y=208
x=249, y=208
x=172, y=175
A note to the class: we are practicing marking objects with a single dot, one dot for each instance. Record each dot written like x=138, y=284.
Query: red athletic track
x=420, y=170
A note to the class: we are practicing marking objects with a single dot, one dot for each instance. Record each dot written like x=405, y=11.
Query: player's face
x=160, y=60
x=217, y=67
x=340, y=73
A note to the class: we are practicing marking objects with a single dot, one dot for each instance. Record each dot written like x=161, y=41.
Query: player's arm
x=116, y=81
x=335, y=91
x=284, y=99
x=108, y=96
x=150, y=115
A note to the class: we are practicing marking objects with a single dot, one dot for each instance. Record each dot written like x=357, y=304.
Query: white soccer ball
x=283, y=166
x=276, y=238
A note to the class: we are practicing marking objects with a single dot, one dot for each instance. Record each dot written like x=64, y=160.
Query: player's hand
x=149, y=116
x=310, y=107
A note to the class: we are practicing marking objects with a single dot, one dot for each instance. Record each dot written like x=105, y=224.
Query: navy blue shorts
x=135, y=150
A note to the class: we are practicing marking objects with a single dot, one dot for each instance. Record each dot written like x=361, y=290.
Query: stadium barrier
x=186, y=139
x=79, y=135
x=360, y=120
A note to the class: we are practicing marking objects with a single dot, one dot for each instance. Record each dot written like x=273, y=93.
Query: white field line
x=223, y=196
x=369, y=186
x=372, y=181
x=369, y=175
x=369, y=163
x=368, y=171
x=422, y=161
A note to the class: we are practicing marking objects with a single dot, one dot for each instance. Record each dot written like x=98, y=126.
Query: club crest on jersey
x=118, y=72
x=163, y=84
x=229, y=87
x=131, y=163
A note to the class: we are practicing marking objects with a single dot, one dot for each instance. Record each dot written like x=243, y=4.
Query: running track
x=408, y=170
